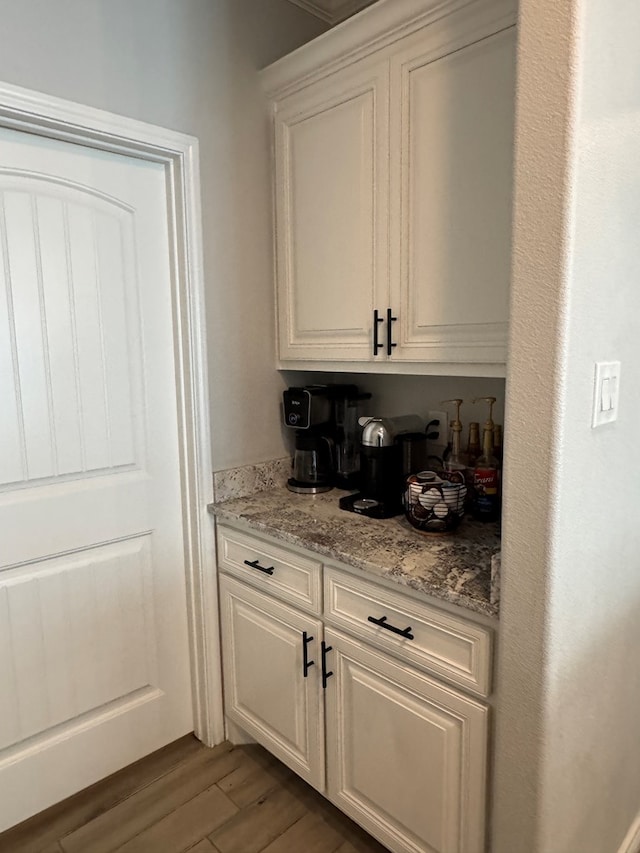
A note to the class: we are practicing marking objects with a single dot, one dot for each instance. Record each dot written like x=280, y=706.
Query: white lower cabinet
x=406, y=756
x=402, y=753
x=266, y=692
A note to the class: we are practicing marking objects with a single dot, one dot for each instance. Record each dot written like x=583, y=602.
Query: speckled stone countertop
x=455, y=567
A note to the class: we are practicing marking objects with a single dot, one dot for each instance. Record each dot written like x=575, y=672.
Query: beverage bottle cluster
x=480, y=464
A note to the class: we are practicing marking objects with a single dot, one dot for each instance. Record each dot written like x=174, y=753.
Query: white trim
x=332, y=11
x=374, y=28
x=23, y=109
x=487, y=370
x=631, y=842
x=314, y=8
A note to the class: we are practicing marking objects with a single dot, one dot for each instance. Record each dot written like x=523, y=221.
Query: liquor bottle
x=473, y=446
x=474, y=450
x=455, y=459
x=497, y=443
x=486, y=474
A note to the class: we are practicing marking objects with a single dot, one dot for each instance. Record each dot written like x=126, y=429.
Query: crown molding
x=374, y=29
x=332, y=11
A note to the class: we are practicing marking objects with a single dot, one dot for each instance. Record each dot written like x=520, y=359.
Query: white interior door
x=94, y=660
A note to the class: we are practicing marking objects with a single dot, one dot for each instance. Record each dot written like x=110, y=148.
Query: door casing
x=45, y=115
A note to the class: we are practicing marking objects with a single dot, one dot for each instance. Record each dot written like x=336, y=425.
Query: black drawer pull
x=255, y=564
x=382, y=622
x=390, y=319
x=325, y=674
x=376, y=319
x=306, y=663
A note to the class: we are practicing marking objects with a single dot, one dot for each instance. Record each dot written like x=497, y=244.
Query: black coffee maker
x=382, y=461
x=308, y=411
x=327, y=441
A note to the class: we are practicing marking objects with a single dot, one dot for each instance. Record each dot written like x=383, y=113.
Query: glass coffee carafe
x=313, y=465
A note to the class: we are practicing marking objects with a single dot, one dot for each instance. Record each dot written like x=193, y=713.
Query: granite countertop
x=456, y=568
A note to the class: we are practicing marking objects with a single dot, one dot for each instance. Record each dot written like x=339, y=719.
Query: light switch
x=606, y=387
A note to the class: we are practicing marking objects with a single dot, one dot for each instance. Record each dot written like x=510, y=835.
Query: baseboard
x=631, y=843
x=236, y=735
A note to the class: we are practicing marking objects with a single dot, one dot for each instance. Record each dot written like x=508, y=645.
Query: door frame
x=46, y=115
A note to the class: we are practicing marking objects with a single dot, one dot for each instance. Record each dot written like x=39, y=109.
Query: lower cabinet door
x=266, y=691
x=406, y=755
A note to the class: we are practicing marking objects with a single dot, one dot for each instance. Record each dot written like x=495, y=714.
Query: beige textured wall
x=189, y=65
x=568, y=736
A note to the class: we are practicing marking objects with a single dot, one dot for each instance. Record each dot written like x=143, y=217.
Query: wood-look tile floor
x=186, y=797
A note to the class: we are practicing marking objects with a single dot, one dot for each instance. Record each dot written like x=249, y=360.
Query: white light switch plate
x=606, y=391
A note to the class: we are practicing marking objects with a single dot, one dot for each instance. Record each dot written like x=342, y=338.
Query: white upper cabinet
x=332, y=174
x=393, y=163
x=452, y=126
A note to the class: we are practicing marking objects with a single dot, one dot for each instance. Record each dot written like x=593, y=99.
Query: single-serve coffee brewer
x=327, y=440
x=382, y=454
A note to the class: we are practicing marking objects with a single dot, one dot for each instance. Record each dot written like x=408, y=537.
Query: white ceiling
x=332, y=11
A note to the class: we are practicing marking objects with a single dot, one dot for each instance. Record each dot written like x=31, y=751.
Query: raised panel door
x=266, y=691
x=331, y=208
x=452, y=119
x=406, y=756
x=94, y=656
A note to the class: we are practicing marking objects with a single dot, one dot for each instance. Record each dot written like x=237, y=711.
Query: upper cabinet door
x=452, y=117
x=332, y=187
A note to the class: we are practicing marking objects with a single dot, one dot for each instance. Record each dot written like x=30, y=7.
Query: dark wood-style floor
x=189, y=798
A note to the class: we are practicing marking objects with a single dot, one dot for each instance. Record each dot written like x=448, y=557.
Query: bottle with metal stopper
x=455, y=460
x=497, y=443
x=486, y=474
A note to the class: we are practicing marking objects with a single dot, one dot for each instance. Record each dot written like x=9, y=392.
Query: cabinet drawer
x=291, y=577
x=437, y=642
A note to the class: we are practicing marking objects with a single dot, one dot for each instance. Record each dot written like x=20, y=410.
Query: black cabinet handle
x=382, y=622
x=325, y=675
x=255, y=564
x=306, y=663
x=390, y=319
x=376, y=319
